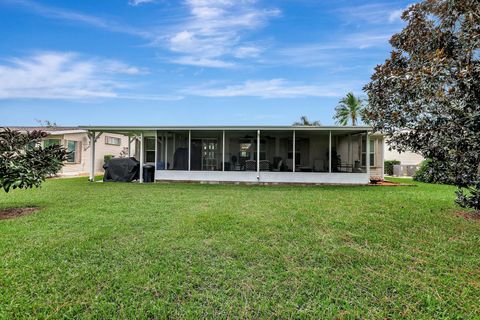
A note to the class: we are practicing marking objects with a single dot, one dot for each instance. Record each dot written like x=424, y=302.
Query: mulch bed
x=468, y=215
x=12, y=213
x=390, y=184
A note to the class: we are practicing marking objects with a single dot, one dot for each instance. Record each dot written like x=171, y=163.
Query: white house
x=254, y=154
x=76, y=141
x=405, y=158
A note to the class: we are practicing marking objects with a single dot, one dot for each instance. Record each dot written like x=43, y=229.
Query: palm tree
x=304, y=122
x=349, y=108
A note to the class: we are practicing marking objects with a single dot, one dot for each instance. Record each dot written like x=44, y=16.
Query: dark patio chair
x=250, y=165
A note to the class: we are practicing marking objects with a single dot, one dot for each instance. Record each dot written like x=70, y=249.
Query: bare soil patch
x=12, y=213
x=475, y=216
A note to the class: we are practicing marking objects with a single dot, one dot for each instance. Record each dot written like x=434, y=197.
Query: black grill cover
x=121, y=170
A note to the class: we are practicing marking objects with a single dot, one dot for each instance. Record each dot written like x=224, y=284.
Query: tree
x=426, y=96
x=304, y=122
x=24, y=163
x=349, y=108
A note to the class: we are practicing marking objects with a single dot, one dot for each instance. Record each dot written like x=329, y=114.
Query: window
x=372, y=153
x=149, y=149
x=51, y=142
x=114, y=141
x=72, y=149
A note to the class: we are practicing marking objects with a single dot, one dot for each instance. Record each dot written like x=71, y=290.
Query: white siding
x=406, y=158
x=82, y=166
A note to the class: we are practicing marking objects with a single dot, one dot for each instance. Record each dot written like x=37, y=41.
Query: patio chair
x=264, y=165
x=250, y=165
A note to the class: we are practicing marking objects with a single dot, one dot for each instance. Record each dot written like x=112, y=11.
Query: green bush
x=428, y=173
x=108, y=157
x=424, y=172
x=388, y=165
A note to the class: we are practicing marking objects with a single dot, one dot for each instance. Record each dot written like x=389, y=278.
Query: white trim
x=367, y=155
x=156, y=150
x=129, y=146
x=142, y=156
x=223, y=150
x=166, y=150
x=227, y=128
x=293, y=152
x=263, y=177
x=258, y=152
x=330, y=151
x=189, y=150
x=92, y=156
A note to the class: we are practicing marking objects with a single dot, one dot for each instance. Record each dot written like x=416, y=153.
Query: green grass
x=106, y=250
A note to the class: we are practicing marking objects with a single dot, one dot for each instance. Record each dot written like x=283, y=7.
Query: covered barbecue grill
x=121, y=170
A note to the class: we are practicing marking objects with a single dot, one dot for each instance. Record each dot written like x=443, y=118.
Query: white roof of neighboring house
x=51, y=130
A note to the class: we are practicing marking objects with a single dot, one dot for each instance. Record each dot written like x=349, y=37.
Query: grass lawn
x=106, y=250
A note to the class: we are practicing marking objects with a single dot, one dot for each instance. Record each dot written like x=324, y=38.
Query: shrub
x=24, y=163
x=427, y=172
x=424, y=172
x=388, y=166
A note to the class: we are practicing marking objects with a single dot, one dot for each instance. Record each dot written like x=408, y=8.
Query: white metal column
x=142, y=155
x=189, y=149
x=293, y=153
x=223, y=150
x=129, y=146
x=92, y=156
x=156, y=153
x=367, y=156
x=258, y=152
x=330, y=151
x=166, y=150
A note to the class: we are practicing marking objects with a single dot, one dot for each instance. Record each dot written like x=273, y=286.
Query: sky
x=187, y=62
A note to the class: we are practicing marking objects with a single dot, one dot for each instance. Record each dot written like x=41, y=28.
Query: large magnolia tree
x=426, y=96
x=24, y=163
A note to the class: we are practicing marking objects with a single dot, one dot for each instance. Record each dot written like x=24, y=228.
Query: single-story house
x=406, y=158
x=76, y=141
x=252, y=154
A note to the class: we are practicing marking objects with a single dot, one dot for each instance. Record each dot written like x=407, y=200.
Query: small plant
x=107, y=158
x=388, y=166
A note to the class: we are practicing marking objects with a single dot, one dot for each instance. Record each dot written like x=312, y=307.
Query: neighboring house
x=264, y=154
x=76, y=141
x=409, y=161
x=405, y=158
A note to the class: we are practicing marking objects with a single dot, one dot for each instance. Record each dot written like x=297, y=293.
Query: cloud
x=67, y=75
x=395, y=15
x=91, y=20
x=214, y=32
x=373, y=13
x=203, y=62
x=139, y=2
x=274, y=88
x=212, y=35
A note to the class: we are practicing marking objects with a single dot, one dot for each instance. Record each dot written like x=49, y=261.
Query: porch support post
x=156, y=153
x=223, y=150
x=367, y=156
x=258, y=152
x=189, y=150
x=293, y=155
x=92, y=156
x=142, y=155
x=129, y=146
x=381, y=148
x=166, y=150
x=330, y=151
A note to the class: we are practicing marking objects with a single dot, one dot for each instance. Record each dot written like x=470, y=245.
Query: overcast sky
x=199, y=62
